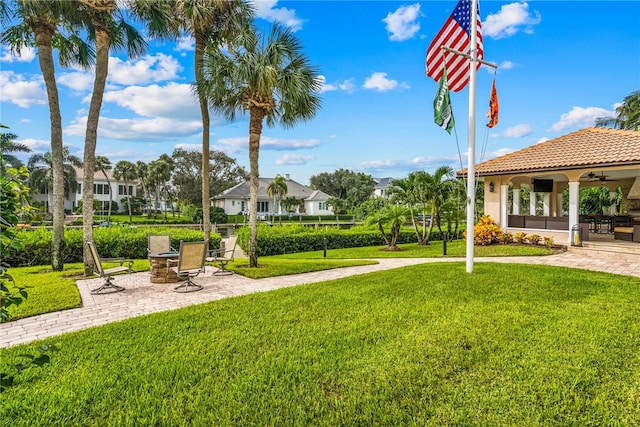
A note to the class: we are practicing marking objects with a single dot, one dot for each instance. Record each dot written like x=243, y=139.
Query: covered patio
x=589, y=157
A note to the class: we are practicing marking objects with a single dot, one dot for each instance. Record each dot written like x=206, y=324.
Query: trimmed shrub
x=486, y=231
x=520, y=237
x=127, y=242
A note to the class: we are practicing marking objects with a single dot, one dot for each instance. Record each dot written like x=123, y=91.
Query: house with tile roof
x=589, y=157
x=235, y=200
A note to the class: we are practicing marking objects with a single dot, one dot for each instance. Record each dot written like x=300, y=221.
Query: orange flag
x=493, y=106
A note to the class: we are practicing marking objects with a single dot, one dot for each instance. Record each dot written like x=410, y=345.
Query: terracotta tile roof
x=587, y=147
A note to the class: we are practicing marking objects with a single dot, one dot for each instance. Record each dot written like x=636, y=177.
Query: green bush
x=275, y=240
x=127, y=242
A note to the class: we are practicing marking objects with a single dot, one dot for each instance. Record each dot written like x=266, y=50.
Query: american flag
x=455, y=34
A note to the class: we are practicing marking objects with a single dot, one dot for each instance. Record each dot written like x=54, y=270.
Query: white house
x=101, y=190
x=235, y=200
x=382, y=187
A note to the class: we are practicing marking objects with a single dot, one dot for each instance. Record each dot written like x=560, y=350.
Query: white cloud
x=36, y=145
x=517, y=131
x=137, y=129
x=150, y=68
x=234, y=145
x=172, y=101
x=294, y=159
x=190, y=147
x=267, y=10
x=402, y=24
x=580, y=117
x=379, y=81
x=24, y=93
x=185, y=44
x=344, y=86
x=79, y=81
x=500, y=152
x=509, y=20
x=27, y=54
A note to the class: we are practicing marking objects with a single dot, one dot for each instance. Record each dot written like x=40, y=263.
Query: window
x=122, y=190
x=263, y=206
x=100, y=189
x=79, y=188
x=233, y=203
x=322, y=206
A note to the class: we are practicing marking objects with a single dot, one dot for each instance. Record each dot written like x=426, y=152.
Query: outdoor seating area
x=107, y=273
x=224, y=255
x=190, y=263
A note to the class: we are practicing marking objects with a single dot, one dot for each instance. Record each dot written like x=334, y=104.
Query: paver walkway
x=143, y=297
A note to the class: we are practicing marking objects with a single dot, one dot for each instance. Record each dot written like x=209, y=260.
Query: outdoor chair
x=159, y=243
x=107, y=273
x=189, y=264
x=224, y=255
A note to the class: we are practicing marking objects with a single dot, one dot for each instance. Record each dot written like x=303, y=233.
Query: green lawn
x=509, y=345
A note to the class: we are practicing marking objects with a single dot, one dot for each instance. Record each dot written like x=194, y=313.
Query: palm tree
x=39, y=22
x=392, y=216
x=627, y=114
x=157, y=176
x=272, y=81
x=8, y=146
x=278, y=189
x=338, y=205
x=41, y=168
x=109, y=30
x=103, y=164
x=210, y=23
x=126, y=171
x=436, y=188
x=141, y=173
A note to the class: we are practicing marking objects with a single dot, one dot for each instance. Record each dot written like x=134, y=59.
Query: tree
x=141, y=172
x=291, y=203
x=210, y=23
x=38, y=26
x=436, y=193
x=103, y=164
x=109, y=30
x=271, y=80
x=278, y=189
x=392, y=216
x=627, y=114
x=338, y=205
x=224, y=172
x=126, y=171
x=354, y=188
x=41, y=168
x=9, y=146
x=411, y=192
x=158, y=175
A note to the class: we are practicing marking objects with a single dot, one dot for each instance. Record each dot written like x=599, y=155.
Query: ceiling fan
x=594, y=177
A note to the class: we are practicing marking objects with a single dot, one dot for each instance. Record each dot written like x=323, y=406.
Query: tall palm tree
x=108, y=29
x=627, y=114
x=271, y=80
x=141, y=173
x=278, y=190
x=38, y=26
x=210, y=24
x=41, y=168
x=103, y=164
x=126, y=171
x=8, y=145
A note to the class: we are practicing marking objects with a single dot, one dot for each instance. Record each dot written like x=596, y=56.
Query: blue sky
x=561, y=65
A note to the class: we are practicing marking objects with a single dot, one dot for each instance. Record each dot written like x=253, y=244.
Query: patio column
x=516, y=201
x=559, y=204
x=546, y=204
x=574, y=204
x=504, y=206
x=532, y=203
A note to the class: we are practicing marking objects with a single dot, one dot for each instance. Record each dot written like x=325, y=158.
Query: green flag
x=442, y=112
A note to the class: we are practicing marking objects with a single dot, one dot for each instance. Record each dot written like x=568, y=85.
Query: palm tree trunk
x=91, y=138
x=110, y=195
x=45, y=57
x=204, y=110
x=255, y=130
x=126, y=191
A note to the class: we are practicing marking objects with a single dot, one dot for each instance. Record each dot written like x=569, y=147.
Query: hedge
x=127, y=242
x=274, y=240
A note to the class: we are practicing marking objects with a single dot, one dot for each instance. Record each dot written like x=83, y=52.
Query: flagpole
x=471, y=159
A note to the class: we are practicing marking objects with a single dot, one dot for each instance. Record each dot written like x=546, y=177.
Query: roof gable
x=584, y=148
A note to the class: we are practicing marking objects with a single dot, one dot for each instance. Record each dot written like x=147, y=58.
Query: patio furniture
x=107, y=273
x=189, y=264
x=159, y=272
x=159, y=243
x=224, y=255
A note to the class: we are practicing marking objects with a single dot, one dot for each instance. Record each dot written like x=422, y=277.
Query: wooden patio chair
x=189, y=264
x=107, y=273
x=224, y=255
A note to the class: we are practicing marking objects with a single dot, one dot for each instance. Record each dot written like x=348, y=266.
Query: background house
x=382, y=187
x=235, y=200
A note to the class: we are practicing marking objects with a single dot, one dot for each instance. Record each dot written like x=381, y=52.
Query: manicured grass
x=280, y=266
x=423, y=345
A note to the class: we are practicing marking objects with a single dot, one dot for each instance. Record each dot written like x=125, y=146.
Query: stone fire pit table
x=159, y=271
